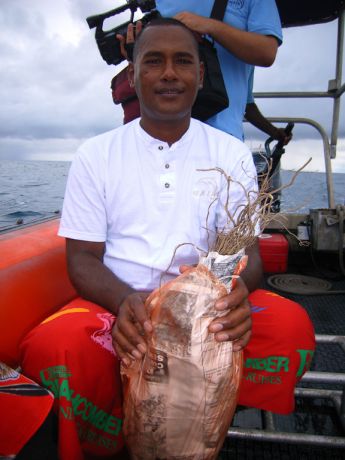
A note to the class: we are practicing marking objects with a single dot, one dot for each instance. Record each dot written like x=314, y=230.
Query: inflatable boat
x=34, y=284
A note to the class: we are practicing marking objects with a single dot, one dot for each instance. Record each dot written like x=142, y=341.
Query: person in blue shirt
x=248, y=36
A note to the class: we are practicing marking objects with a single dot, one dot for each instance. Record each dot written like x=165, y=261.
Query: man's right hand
x=131, y=327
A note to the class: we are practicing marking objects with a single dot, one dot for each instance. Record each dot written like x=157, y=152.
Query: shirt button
x=167, y=185
x=167, y=166
x=160, y=147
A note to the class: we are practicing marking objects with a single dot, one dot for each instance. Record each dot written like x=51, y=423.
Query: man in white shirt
x=144, y=192
x=133, y=195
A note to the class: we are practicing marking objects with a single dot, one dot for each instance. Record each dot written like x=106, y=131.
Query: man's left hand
x=237, y=324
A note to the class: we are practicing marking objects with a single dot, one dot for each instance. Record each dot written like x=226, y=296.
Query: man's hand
x=132, y=324
x=237, y=324
x=280, y=135
x=199, y=24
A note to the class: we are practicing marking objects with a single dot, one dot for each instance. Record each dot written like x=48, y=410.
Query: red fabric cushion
x=278, y=354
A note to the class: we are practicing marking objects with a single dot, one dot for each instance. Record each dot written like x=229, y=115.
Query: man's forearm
x=255, y=117
x=95, y=282
x=250, y=47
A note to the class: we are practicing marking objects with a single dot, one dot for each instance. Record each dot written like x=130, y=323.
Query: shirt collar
x=153, y=142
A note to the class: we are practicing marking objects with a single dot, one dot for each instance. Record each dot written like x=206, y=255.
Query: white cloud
x=55, y=85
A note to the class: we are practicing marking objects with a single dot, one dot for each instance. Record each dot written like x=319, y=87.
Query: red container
x=274, y=252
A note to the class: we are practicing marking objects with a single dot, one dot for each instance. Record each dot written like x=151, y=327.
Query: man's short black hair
x=163, y=21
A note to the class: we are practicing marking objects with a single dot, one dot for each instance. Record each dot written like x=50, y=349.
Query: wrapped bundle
x=180, y=400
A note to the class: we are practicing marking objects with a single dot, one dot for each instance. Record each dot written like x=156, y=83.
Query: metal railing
x=270, y=433
x=335, y=90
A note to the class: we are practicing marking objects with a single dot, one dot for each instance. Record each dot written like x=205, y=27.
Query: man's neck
x=166, y=131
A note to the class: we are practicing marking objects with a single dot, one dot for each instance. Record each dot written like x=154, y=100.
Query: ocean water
x=31, y=190
x=34, y=190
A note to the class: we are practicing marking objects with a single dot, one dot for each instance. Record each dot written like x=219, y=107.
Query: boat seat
x=33, y=283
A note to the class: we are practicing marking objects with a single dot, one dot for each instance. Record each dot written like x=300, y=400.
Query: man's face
x=167, y=73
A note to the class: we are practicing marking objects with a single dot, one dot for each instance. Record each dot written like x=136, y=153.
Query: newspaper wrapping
x=180, y=399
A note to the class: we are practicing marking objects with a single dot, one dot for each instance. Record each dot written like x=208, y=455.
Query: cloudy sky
x=55, y=87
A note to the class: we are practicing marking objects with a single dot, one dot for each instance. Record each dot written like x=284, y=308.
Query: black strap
x=218, y=9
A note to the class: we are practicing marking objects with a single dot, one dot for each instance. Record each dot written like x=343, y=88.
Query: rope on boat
x=301, y=284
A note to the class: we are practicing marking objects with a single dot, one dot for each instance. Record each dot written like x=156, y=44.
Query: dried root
x=243, y=225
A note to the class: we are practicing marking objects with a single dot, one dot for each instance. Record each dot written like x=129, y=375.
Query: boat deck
x=313, y=415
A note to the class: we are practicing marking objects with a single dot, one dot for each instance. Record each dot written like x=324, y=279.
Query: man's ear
x=201, y=74
x=130, y=74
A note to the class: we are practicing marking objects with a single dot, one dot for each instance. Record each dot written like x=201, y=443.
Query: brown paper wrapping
x=180, y=400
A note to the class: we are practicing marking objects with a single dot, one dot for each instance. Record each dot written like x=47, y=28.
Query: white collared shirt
x=144, y=198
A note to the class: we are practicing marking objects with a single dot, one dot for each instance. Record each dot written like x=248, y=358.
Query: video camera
x=108, y=44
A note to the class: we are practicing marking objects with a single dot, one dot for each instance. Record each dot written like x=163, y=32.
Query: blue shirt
x=259, y=16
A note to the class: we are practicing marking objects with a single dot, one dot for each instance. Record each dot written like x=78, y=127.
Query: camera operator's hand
x=127, y=42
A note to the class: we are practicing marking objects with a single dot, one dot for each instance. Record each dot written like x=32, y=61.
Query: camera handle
x=98, y=19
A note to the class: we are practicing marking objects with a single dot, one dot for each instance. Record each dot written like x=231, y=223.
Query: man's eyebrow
x=159, y=53
x=152, y=53
x=185, y=54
